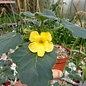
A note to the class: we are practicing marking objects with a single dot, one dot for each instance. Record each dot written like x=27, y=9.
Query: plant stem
x=76, y=41
x=77, y=15
x=56, y=28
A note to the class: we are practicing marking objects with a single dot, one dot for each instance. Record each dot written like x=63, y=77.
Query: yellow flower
x=41, y=43
x=26, y=30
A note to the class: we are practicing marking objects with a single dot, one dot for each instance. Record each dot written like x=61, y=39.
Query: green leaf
x=70, y=76
x=9, y=41
x=84, y=73
x=76, y=30
x=5, y=72
x=47, y=14
x=34, y=70
x=28, y=14
x=3, y=78
x=40, y=16
x=77, y=77
x=68, y=69
x=35, y=22
x=4, y=64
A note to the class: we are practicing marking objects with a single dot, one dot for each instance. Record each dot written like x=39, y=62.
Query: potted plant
x=34, y=52
x=63, y=55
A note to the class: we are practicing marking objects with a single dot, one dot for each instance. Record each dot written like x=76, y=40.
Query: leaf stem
x=57, y=28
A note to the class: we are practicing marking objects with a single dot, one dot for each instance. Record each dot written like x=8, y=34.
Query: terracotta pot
x=61, y=62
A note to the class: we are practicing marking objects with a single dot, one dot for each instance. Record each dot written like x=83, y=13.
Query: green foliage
x=84, y=73
x=46, y=14
x=9, y=41
x=5, y=72
x=76, y=30
x=33, y=70
x=8, y=18
x=73, y=74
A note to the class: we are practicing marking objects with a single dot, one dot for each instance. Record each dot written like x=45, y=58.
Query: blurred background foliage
x=11, y=20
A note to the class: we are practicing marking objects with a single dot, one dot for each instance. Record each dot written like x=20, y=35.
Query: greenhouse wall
x=79, y=4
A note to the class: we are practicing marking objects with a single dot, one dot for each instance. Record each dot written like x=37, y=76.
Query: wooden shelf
x=7, y=2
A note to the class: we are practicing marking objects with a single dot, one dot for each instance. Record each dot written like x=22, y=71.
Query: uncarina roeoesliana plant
x=32, y=70
x=35, y=71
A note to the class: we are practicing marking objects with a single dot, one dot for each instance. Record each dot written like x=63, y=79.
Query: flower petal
x=26, y=30
x=41, y=50
x=46, y=36
x=41, y=43
x=34, y=36
x=48, y=46
x=33, y=47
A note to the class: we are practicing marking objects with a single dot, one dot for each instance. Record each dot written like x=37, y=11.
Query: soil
x=61, y=51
